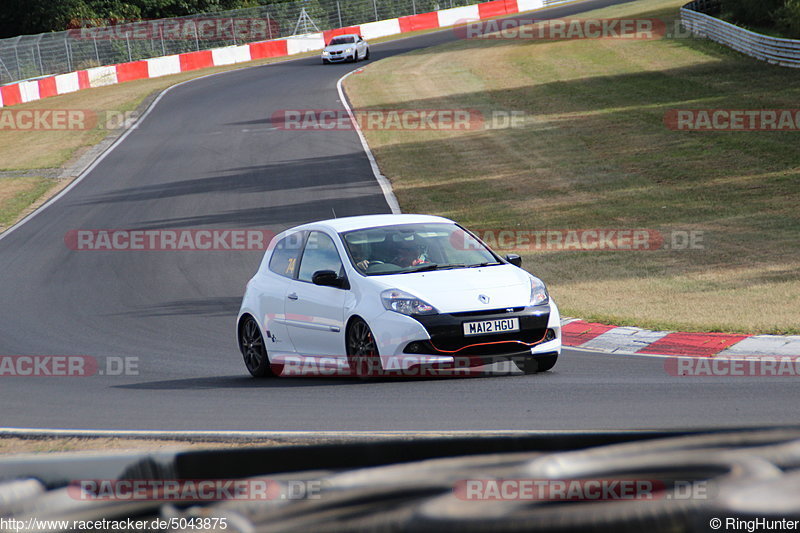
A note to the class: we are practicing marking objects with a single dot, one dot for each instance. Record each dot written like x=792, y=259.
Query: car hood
x=459, y=289
x=339, y=47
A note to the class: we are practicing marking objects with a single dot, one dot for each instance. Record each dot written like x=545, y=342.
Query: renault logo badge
x=483, y=298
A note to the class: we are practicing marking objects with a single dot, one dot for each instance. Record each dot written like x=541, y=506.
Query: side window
x=320, y=254
x=284, y=257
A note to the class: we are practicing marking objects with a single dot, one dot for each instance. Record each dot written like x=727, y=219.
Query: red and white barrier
x=382, y=28
x=529, y=5
x=102, y=76
x=305, y=43
x=264, y=49
x=451, y=17
x=230, y=55
x=29, y=91
x=327, y=35
x=66, y=83
x=163, y=66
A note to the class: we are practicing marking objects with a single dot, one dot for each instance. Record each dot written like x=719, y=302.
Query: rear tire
x=539, y=363
x=362, y=350
x=254, y=352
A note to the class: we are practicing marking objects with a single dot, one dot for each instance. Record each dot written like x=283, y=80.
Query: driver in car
x=359, y=256
x=409, y=254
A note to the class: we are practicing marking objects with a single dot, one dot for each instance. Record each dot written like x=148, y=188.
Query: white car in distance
x=348, y=47
x=397, y=292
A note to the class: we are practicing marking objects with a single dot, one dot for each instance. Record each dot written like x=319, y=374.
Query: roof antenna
x=334, y=212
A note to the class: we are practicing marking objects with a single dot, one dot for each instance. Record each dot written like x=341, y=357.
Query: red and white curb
x=32, y=90
x=593, y=336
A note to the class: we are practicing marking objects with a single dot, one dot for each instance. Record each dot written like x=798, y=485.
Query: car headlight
x=325, y=52
x=349, y=50
x=405, y=303
x=539, y=294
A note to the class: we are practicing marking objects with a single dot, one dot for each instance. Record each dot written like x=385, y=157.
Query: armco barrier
x=28, y=91
x=784, y=52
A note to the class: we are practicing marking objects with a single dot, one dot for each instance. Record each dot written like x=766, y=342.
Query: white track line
x=383, y=181
x=280, y=435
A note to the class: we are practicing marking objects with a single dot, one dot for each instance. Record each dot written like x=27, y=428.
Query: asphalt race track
x=208, y=157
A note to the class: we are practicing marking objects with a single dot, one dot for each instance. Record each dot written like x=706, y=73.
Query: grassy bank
x=594, y=152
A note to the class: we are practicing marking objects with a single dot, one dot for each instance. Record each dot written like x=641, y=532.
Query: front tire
x=254, y=352
x=362, y=350
x=367, y=55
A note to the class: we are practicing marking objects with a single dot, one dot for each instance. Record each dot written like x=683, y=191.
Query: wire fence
x=92, y=43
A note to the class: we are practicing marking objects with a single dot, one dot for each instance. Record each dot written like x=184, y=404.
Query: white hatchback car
x=349, y=47
x=399, y=292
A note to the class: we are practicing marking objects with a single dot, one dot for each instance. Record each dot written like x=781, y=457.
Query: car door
x=272, y=285
x=361, y=47
x=315, y=313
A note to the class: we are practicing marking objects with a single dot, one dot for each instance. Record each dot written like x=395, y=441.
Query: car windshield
x=342, y=40
x=414, y=248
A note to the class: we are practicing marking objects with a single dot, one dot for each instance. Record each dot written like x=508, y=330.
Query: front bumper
x=536, y=335
x=394, y=332
x=339, y=58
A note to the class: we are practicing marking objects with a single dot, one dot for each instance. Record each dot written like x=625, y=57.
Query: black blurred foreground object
x=419, y=484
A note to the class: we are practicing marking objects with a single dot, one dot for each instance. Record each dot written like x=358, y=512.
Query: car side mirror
x=327, y=278
x=514, y=259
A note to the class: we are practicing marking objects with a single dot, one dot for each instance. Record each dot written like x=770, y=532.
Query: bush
x=787, y=19
x=752, y=12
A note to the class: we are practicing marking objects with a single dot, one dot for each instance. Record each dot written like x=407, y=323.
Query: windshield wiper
x=487, y=263
x=434, y=266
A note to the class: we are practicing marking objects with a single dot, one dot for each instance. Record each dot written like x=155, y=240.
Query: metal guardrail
x=784, y=52
x=46, y=54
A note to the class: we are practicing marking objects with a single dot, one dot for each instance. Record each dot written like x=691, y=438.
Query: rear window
x=284, y=256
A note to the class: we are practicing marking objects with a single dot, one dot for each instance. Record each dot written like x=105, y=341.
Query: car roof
x=371, y=221
x=345, y=35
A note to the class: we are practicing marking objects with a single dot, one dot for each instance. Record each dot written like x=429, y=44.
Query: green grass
x=17, y=194
x=594, y=153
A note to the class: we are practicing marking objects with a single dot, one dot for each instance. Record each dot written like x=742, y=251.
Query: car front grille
x=447, y=333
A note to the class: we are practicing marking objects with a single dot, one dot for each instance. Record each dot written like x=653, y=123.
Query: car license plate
x=487, y=327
